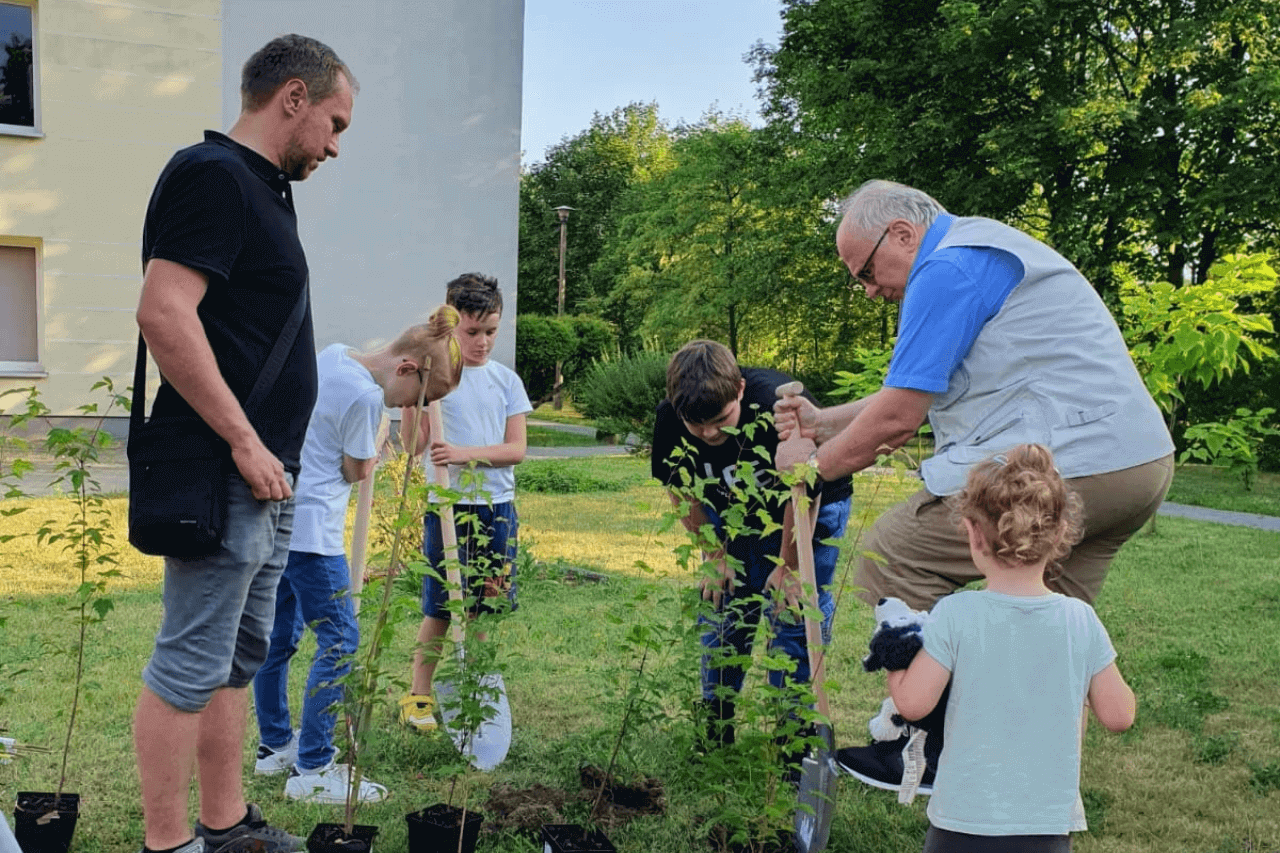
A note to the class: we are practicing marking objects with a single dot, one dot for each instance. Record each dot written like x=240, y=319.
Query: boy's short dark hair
x=474, y=294
x=702, y=378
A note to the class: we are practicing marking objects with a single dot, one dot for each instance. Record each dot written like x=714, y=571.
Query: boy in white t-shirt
x=340, y=448
x=484, y=424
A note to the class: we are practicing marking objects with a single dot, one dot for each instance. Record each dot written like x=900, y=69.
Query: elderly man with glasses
x=1001, y=341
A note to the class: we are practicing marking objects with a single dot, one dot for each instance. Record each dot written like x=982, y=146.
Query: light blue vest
x=1050, y=367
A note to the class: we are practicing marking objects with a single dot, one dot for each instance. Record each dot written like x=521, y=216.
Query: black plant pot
x=435, y=829
x=572, y=838
x=44, y=822
x=332, y=838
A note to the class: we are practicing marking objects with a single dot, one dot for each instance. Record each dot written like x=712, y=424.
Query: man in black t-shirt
x=713, y=449
x=223, y=269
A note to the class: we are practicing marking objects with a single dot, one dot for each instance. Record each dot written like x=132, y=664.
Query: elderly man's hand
x=792, y=453
x=791, y=410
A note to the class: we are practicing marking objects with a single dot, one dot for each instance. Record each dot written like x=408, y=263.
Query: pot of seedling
x=574, y=838
x=337, y=838
x=443, y=828
x=45, y=821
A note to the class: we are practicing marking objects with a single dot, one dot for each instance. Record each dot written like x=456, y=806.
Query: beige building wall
x=122, y=84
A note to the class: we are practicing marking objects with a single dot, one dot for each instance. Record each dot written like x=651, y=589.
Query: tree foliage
x=588, y=172
x=573, y=342
x=1139, y=133
x=1197, y=333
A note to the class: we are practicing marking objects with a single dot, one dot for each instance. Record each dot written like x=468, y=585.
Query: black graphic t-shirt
x=740, y=471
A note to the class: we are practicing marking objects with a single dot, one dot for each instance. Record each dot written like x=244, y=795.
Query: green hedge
x=621, y=394
x=542, y=341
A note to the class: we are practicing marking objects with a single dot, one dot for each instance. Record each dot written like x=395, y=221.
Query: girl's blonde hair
x=1022, y=506
x=420, y=341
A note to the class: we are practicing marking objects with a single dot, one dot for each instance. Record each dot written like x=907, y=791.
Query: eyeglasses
x=864, y=275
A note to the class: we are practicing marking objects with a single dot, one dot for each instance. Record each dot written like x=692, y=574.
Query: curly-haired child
x=1022, y=661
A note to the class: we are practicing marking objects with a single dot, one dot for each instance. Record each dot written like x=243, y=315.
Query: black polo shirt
x=226, y=211
x=721, y=469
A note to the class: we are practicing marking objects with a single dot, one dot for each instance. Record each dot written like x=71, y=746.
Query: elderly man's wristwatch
x=813, y=463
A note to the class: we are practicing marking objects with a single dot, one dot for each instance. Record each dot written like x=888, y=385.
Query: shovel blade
x=487, y=748
x=816, y=800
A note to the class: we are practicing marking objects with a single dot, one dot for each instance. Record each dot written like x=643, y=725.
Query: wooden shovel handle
x=802, y=530
x=360, y=529
x=448, y=534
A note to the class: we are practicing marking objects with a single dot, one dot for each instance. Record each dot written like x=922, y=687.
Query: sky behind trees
x=591, y=56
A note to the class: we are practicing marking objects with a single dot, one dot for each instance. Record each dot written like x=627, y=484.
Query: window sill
x=18, y=130
x=18, y=370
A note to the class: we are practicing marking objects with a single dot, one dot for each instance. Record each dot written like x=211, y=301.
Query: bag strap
x=266, y=377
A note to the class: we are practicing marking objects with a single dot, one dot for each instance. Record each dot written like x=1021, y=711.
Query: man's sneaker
x=329, y=785
x=274, y=761
x=880, y=765
x=252, y=835
x=195, y=845
x=417, y=711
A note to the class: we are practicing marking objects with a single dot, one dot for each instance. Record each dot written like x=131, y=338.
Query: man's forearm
x=834, y=419
x=884, y=422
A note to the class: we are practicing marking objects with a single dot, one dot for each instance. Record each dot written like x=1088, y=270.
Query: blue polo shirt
x=950, y=296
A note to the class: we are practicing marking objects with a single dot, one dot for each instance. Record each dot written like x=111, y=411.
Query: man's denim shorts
x=218, y=612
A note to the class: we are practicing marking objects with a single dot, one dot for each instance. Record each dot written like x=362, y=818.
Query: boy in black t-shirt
x=713, y=448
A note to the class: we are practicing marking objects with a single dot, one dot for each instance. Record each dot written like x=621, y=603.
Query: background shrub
x=553, y=476
x=541, y=341
x=621, y=393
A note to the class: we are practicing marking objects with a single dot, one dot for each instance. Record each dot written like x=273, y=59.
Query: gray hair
x=872, y=206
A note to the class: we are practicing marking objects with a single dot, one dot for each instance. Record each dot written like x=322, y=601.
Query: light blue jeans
x=314, y=590
x=731, y=630
x=218, y=611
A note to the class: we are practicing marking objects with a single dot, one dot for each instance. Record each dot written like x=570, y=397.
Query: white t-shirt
x=345, y=420
x=475, y=415
x=1020, y=671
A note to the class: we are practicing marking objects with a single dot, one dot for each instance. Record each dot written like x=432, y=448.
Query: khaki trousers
x=926, y=550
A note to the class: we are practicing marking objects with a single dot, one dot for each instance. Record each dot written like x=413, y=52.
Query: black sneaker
x=253, y=835
x=880, y=765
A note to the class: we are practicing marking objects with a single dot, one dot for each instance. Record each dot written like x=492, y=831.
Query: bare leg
x=426, y=654
x=164, y=740
x=220, y=758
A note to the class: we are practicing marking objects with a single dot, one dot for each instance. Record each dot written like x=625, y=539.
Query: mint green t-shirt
x=1020, y=671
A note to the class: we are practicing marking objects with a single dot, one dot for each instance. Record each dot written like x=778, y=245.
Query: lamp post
x=557, y=391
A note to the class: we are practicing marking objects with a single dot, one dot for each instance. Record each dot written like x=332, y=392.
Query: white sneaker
x=329, y=785
x=274, y=761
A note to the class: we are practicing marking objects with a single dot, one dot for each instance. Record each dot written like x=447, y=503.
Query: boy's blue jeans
x=314, y=590
x=731, y=630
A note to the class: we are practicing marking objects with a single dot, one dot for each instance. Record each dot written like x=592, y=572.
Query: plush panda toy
x=893, y=646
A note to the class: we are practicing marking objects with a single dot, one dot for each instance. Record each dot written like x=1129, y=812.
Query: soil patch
x=525, y=810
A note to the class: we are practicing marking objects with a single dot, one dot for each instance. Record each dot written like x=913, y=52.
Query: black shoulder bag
x=178, y=466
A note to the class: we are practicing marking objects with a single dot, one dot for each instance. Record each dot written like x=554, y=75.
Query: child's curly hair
x=1022, y=506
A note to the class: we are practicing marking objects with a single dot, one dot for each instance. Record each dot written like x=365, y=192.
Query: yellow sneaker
x=418, y=712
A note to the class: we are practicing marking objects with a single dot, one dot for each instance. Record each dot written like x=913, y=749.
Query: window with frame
x=19, y=310
x=19, y=106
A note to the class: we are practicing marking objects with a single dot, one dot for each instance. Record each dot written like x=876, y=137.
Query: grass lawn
x=1194, y=612
x=567, y=414
x=540, y=436
x=1202, y=485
